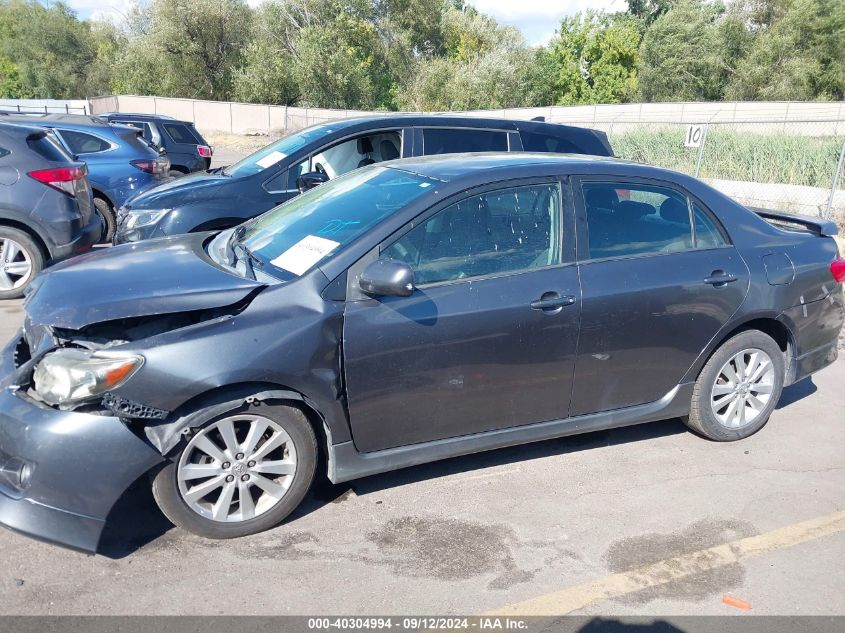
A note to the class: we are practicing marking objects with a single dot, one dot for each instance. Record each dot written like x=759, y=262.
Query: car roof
x=448, y=167
x=129, y=116
x=18, y=130
x=65, y=119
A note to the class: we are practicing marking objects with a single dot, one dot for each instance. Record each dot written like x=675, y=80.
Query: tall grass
x=733, y=155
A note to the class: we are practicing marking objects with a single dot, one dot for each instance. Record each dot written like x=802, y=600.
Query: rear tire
x=106, y=213
x=244, y=471
x=738, y=388
x=21, y=259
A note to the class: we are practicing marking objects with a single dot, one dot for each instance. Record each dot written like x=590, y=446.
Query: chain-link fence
x=794, y=166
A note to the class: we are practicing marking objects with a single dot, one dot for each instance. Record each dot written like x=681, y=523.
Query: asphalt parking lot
x=492, y=531
x=648, y=520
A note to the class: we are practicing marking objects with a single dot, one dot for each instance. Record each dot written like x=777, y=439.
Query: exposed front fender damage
x=167, y=436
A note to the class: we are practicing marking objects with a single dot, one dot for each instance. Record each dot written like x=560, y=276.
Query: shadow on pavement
x=796, y=392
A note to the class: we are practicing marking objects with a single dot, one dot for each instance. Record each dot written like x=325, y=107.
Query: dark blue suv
x=120, y=162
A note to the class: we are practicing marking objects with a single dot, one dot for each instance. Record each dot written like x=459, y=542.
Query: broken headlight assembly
x=72, y=375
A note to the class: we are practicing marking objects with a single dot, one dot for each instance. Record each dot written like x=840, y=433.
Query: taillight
x=149, y=166
x=61, y=178
x=204, y=151
x=837, y=269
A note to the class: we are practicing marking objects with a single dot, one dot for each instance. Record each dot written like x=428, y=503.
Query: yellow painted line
x=666, y=571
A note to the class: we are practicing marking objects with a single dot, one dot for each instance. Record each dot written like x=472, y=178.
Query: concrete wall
x=816, y=119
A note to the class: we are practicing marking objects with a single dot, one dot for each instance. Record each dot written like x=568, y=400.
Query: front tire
x=738, y=388
x=241, y=473
x=106, y=213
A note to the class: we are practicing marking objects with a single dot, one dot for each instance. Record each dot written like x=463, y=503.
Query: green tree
x=595, y=56
x=680, y=58
x=53, y=52
x=10, y=80
x=186, y=48
x=799, y=56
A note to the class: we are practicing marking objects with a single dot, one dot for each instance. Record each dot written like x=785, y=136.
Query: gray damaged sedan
x=406, y=312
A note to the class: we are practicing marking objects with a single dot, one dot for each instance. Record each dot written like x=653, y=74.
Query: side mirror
x=387, y=278
x=311, y=180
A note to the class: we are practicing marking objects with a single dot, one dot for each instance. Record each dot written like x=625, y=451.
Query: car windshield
x=268, y=156
x=299, y=234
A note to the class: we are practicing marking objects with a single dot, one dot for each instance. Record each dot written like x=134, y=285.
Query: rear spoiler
x=815, y=225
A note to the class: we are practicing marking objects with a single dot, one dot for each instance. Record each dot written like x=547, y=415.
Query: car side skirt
x=346, y=463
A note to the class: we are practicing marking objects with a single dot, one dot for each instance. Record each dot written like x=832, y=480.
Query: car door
x=656, y=286
x=487, y=339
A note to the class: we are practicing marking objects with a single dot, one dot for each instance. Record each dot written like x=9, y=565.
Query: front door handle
x=552, y=302
x=720, y=278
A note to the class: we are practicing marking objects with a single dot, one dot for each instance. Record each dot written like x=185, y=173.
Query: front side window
x=455, y=141
x=82, y=143
x=299, y=234
x=271, y=155
x=707, y=233
x=492, y=233
x=634, y=219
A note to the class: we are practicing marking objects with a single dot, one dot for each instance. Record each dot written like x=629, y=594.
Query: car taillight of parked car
x=205, y=151
x=155, y=166
x=61, y=178
x=837, y=269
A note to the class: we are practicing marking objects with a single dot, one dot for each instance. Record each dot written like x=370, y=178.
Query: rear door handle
x=551, y=301
x=720, y=278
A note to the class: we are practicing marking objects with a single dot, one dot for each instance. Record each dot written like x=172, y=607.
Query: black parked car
x=187, y=150
x=46, y=206
x=278, y=172
x=403, y=313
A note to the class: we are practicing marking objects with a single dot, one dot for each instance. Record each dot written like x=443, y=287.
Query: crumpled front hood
x=178, y=191
x=153, y=277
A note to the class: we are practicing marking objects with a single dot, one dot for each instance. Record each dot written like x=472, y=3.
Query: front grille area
x=128, y=409
x=22, y=353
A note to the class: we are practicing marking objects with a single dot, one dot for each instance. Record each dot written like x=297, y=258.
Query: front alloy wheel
x=237, y=469
x=241, y=472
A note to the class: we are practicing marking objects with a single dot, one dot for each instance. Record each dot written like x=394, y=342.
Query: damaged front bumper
x=61, y=472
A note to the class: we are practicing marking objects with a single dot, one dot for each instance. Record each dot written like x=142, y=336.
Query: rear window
x=47, y=148
x=181, y=133
x=455, y=141
x=534, y=142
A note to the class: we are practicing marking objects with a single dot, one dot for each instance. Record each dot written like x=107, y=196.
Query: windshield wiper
x=235, y=245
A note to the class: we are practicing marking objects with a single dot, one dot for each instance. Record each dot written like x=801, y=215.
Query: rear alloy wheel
x=241, y=473
x=738, y=388
x=20, y=261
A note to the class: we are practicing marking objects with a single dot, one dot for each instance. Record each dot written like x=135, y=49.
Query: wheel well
x=101, y=196
x=244, y=391
x=37, y=238
x=773, y=328
x=219, y=224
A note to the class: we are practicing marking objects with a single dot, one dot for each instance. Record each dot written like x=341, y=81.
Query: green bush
x=732, y=155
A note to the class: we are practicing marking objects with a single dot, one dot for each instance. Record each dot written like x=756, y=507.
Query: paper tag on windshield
x=304, y=254
x=271, y=159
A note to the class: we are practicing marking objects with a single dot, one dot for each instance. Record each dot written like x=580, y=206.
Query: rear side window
x=48, y=149
x=181, y=133
x=455, y=141
x=82, y=143
x=535, y=142
x=632, y=219
x=707, y=233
